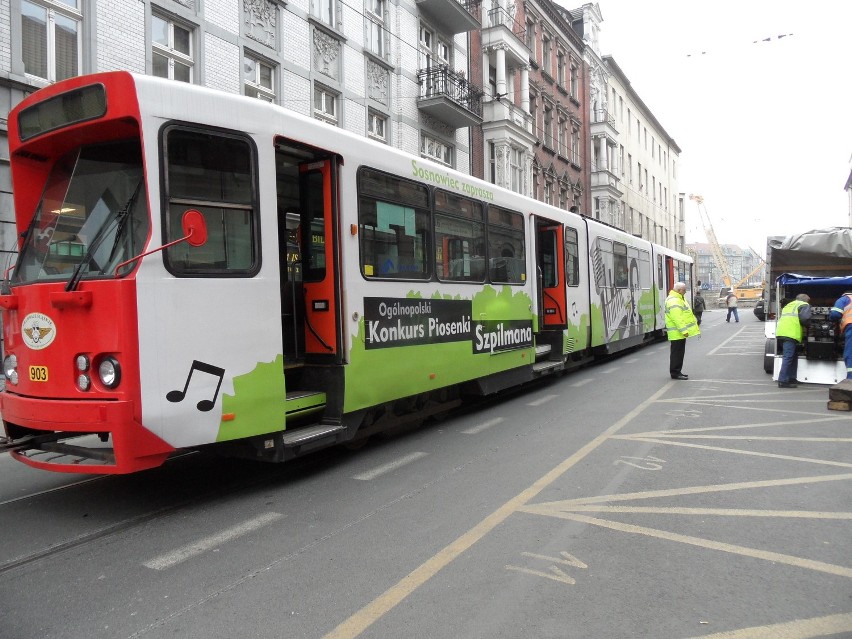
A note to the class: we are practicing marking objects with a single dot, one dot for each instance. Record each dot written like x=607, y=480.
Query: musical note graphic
x=205, y=404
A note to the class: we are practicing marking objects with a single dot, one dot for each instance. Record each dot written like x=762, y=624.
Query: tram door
x=307, y=233
x=551, y=266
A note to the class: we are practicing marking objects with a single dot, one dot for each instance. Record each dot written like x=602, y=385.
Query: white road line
x=202, y=545
x=475, y=430
x=543, y=400
x=582, y=382
x=610, y=369
x=381, y=470
x=631, y=361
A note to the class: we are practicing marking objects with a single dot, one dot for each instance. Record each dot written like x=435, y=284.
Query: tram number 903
x=38, y=373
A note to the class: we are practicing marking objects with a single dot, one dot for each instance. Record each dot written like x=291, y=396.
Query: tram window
x=602, y=263
x=213, y=173
x=660, y=272
x=572, y=257
x=393, y=221
x=619, y=263
x=459, y=238
x=507, y=261
x=314, y=245
x=644, y=269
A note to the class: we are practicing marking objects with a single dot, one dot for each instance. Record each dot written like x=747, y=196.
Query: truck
x=818, y=263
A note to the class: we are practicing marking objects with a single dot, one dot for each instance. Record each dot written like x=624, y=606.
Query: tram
x=200, y=269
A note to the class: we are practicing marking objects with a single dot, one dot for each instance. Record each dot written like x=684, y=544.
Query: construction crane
x=744, y=293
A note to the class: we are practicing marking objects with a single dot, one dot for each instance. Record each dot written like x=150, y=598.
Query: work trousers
x=676, y=356
x=789, y=359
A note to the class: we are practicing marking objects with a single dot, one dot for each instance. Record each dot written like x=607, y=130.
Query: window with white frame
x=325, y=104
x=50, y=37
x=574, y=79
x=575, y=145
x=172, y=55
x=374, y=13
x=436, y=150
x=560, y=132
x=548, y=126
x=259, y=78
x=560, y=68
x=377, y=126
x=530, y=36
x=546, y=55
x=516, y=168
x=325, y=11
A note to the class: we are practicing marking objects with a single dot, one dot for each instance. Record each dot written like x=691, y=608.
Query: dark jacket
x=698, y=304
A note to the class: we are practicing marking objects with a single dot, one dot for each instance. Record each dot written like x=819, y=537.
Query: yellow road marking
x=790, y=560
x=667, y=442
x=384, y=603
x=799, y=629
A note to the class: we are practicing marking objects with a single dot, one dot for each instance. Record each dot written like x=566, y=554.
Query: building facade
x=515, y=93
x=744, y=266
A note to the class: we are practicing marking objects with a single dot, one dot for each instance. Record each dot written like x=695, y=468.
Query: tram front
x=71, y=362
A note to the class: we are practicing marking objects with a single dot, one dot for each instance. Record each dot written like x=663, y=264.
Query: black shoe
x=787, y=385
x=680, y=376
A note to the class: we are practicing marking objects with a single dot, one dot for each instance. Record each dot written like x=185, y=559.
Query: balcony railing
x=452, y=16
x=603, y=116
x=499, y=17
x=439, y=85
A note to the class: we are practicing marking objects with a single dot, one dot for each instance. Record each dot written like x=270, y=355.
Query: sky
x=765, y=127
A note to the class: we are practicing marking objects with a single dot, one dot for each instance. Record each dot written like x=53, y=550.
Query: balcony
x=451, y=16
x=449, y=97
x=604, y=181
x=502, y=29
x=603, y=123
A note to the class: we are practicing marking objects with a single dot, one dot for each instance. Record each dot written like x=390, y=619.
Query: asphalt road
x=612, y=502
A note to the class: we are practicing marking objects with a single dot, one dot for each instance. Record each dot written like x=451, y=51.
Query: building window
x=516, y=167
x=375, y=15
x=50, y=37
x=574, y=77
x=560, y=68
x=172, y=49
x=548, y=126
x=325, y=11
x=259, y=79
x=377, y=126
x=530, y=36
x=560, y=132
x=325, y=105
x=545, y=55
x=575, y=145
x=436, y=150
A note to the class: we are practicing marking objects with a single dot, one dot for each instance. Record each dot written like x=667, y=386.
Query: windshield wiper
x=118, y=221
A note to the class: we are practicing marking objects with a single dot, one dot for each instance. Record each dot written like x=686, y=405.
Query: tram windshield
x=92, y=216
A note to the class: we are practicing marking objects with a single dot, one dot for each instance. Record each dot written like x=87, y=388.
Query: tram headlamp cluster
x=109, y=371
x=10, y=368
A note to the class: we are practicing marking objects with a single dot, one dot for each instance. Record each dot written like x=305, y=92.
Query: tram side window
x=572, y=257
x=660, y=284
x=619, y=263
x=213, y=173
x=507, y=260
x=393, y=222
x=644, y=269
x=602, y=263
x=459, y=238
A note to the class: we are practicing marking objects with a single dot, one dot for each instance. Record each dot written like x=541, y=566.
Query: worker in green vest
x=788, y=334
x=680, y=324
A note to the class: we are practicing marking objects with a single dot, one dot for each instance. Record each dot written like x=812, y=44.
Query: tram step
x=304, y=436
x=541, y=350
x=303, y=402
x=540, y=368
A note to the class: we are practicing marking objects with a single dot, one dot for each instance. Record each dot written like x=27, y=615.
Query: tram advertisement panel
x=394, y=322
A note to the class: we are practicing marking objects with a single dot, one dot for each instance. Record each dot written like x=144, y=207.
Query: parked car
x=760, y=310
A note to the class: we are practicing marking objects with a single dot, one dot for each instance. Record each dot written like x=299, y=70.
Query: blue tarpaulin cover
x=791, y=279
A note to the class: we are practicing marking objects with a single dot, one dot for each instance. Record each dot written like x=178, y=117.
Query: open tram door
x=551, y=291
x=311, y=297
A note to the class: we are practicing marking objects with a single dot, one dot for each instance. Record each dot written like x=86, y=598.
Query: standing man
x=698, y=306
x=842, y=312
x=680, y=324
x=788, y=333
x=731, y=301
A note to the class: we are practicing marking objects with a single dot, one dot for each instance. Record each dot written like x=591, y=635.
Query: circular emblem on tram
x=38, y=330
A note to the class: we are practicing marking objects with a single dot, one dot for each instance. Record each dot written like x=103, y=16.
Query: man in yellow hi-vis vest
x=680, y=324
x=788, y=333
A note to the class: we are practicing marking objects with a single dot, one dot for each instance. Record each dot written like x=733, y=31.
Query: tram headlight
x=10, y=368
x=109, y=371
x=83, y=382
